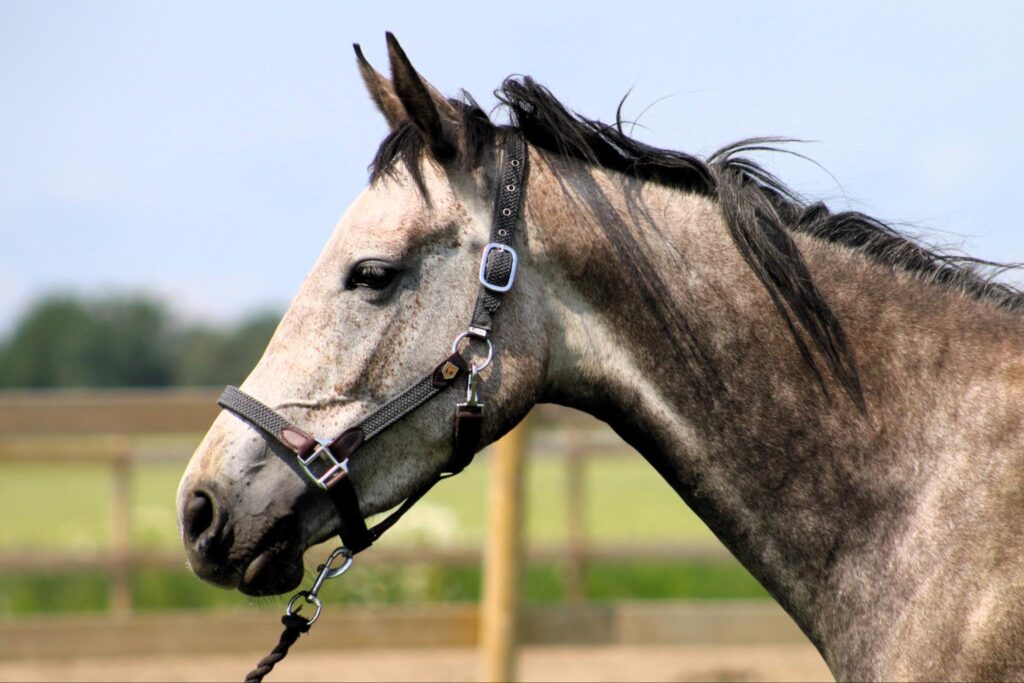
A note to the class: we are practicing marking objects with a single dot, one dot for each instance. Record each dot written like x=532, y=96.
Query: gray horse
x=840, y=404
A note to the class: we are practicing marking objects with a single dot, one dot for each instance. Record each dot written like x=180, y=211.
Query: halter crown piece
x=325, y=461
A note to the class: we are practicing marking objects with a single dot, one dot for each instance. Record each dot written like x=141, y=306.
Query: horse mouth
x=275, y=565
x=274, y=571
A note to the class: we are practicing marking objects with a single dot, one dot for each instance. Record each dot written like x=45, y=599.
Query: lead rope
x=294, y=623
x=294, y=626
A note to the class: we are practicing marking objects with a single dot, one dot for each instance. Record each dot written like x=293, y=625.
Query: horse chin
x=272, y=572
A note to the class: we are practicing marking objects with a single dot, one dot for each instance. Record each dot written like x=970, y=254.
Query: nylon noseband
x=325, y=461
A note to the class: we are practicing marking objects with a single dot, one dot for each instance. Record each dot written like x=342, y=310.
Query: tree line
x=126, y=341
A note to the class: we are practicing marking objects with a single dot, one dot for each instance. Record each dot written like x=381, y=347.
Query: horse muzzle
x=237, y=551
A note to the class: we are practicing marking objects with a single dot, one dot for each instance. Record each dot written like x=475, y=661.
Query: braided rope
x=294, y=626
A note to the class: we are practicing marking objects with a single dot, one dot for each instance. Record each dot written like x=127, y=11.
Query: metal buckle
x=323, y=452
x=498, y=246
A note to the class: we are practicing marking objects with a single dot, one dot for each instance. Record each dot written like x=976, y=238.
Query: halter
x=325, y=461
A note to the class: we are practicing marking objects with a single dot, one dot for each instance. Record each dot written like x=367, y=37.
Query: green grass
x=54, y=507
x=51, y=508
x=67, y=507
x=175, y=589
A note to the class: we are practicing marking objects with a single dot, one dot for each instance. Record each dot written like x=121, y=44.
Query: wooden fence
x=102, y=427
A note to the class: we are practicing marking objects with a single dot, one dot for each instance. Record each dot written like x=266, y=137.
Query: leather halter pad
x=325, y=462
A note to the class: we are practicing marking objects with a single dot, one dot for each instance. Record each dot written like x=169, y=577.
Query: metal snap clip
x=327, y=571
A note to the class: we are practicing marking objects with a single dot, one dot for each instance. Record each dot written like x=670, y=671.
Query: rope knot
x=296, y=622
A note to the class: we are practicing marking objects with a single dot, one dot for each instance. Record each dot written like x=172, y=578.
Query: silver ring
x=490, y=350
x=506, y=212
x=310, y=599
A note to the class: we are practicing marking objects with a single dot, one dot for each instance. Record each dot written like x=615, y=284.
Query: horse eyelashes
x=372, y=275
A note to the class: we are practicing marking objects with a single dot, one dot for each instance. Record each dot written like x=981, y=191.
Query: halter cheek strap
x=325, y=462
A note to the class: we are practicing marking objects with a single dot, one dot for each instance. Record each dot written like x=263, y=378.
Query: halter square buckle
x=334, y=468
x=498, y=246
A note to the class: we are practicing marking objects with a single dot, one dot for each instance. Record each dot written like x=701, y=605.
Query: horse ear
x=424, y=106
x=381, y=91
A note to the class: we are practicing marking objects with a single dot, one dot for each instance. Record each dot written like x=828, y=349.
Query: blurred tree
x=68, y=342
x=210, y=357
x=65, y=341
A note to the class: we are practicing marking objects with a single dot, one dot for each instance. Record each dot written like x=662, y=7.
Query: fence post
x=575, y=520
x=499, y=615
x=120, y=509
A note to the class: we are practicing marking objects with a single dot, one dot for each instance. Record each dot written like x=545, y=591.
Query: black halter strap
x=325, y=461
x=499, y=262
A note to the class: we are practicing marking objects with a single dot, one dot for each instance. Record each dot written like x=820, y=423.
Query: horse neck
x=815, y=498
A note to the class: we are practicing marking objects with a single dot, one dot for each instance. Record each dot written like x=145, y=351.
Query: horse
x=840, y=403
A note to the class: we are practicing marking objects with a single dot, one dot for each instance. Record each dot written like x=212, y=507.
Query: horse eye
x=372, y=275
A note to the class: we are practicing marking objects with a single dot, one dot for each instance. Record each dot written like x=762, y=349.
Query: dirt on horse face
x=841, y=405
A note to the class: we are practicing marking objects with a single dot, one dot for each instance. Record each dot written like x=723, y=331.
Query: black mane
x=759, y=209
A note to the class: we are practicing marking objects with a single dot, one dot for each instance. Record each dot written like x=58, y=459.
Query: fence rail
x=431, y=626
x=103, y=427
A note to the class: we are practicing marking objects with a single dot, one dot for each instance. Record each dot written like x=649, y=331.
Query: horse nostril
x=208, y=534
x=198, y=515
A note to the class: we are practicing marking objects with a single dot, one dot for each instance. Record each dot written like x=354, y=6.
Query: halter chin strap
x=325, y=461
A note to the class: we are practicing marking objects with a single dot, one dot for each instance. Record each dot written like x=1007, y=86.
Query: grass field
x=67, y=507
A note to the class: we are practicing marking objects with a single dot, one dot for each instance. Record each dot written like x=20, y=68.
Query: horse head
x=394, y=286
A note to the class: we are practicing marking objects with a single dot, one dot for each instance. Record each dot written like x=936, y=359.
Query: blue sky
x=204, y=151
